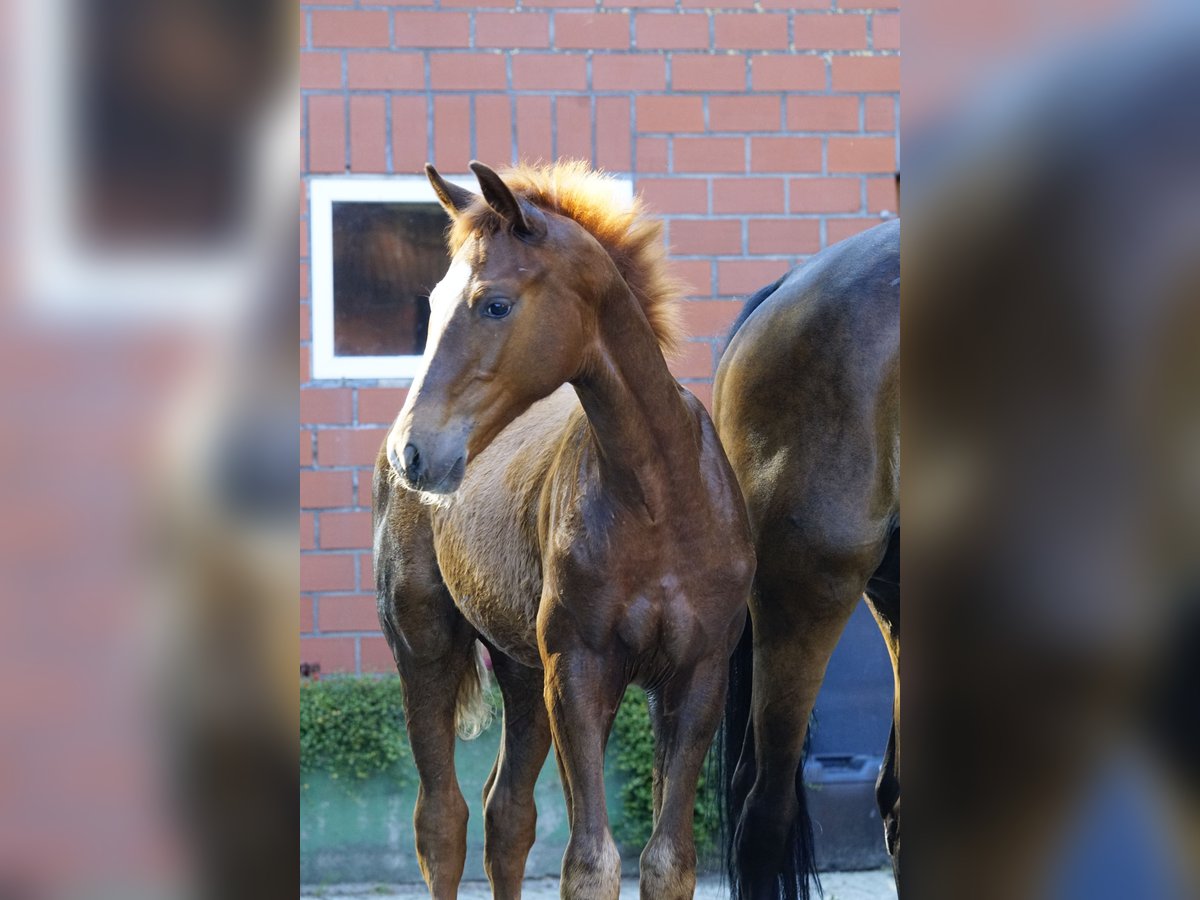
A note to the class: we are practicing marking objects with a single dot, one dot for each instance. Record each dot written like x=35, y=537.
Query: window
x=378, y=249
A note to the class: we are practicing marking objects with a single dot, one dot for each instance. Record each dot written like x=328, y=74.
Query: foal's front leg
x=686, y=715
x=582, y=693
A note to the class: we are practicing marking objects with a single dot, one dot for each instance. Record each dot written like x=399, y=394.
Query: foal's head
x=515, y=317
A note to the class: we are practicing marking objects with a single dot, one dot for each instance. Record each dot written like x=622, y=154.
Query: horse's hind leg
x=686, y=713
x=800, y=607
x=510, y=817
x=433, y=646
x=883, y=596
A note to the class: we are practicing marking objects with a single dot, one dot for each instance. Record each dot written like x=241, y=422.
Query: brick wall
x=760, y=131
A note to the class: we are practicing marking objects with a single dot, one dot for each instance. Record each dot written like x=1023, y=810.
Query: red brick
x=451, y=132
x=823, y=195
x=862, y=154
x=885, y=31
x=326, y=572
x=840, y=229
x=750, y=31
x=710, y=318
x=748, y=195
x=380, y=405
x=506, y=4
x=641, y=4
x=881, y=195
x=534, y=129
x=349, y=28
x=794, y=4
x=368, y=134
x=828, y=31
x=670, y=113
x=629, y=72
x=785, y=154
x=325, y=406
x=745, y=113
x=692, y=237
x=345, y=530
x=672, y=31
x=382, y=71
x=306, y=448
x=791, y=237
x=467, y=71
x=695, y=72
x=306, y=614
x=591, y=31
x=695, y=360
x=806, y=113
x=305, y=322
x=613, y=138
x=866, y=73
x=432, y=29
x=320, y=70
x=349, y=447
x=710, y=154
x=305, y=354
x=493, y=145
x=787, y=73
x=304, y=286
x=549, y=71
x=326, y=134
x=325, y=489
x=695, y=275
x=509, y=30
x=353, y=613
x=333, y=654
x=880, y=113
x=739, y=277
x=653, y=154
x=573, y=131
x=869, y=4
x=674, y=195
x=724, y=4
x=365, y=477
x=376, y=655
x=410, y=135
x=558, y=4
x=366, y=570
x=307, y=531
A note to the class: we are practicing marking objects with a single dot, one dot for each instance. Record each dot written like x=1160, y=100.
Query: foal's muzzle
x=419, y=473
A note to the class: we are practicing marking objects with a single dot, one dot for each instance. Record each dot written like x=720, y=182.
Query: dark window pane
x=387, y=257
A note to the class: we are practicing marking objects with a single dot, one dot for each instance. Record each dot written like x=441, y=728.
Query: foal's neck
x=643, y=431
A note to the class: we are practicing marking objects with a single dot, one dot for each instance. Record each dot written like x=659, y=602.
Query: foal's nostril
x=412, y=462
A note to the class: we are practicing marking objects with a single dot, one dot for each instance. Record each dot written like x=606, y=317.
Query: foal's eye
x=497, y=309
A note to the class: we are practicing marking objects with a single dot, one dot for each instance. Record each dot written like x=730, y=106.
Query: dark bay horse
x=550, y=490
x=806, y=403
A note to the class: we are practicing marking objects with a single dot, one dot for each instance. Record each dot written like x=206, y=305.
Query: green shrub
x=633, y=743
x=352, y=729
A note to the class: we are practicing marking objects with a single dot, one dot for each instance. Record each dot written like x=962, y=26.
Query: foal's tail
x=473, y=708
x=799, y=865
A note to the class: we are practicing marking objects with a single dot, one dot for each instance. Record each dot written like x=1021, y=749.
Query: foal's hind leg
x=433, y=646
x=510, y=817
x=686, y=715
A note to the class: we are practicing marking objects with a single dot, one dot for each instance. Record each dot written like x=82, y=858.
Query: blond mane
x=634, y=240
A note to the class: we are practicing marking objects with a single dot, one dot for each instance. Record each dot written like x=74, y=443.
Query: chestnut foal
x=590, y=536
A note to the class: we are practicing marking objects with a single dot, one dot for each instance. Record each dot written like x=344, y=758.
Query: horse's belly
x=498, y=596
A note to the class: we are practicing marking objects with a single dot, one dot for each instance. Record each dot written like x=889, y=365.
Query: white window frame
x=323, y=192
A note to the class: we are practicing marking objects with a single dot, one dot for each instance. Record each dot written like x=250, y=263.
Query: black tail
x=754, y=302
x=799, y=868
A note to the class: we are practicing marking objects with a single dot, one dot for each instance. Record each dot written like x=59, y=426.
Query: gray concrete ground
x=876, y=885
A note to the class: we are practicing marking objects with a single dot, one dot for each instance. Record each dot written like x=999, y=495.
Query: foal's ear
x=526, y=221
x=454, y=199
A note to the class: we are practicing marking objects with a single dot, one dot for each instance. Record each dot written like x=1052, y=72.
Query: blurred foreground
x=148, y=652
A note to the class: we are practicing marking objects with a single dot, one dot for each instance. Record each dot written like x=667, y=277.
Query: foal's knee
x=667, y=870
x=761, y=837
x=591, y=869
x=440, y=826
x=509, y=826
